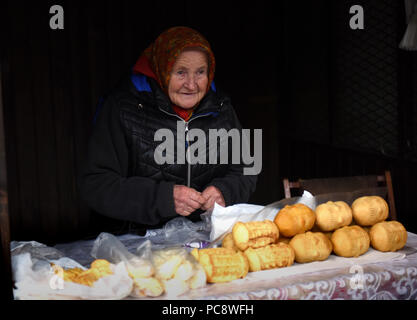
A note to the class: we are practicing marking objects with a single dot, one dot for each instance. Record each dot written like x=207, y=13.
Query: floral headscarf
x=162, y=54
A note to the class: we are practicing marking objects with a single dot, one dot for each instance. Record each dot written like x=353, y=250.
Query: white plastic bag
x=223, y=219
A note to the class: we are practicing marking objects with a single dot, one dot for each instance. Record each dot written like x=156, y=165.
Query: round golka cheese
x=369, y=210
x=311, y=246
x=294, y=219
x=388, y=236
x=333, y=215
x=350, y=241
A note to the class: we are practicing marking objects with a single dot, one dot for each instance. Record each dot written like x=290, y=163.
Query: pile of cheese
x=297, y=233
x=333, y=227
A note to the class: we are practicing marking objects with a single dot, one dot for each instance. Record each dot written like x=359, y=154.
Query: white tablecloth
x=393, y=277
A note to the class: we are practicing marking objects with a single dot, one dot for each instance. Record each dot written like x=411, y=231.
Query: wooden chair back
x=344, y=184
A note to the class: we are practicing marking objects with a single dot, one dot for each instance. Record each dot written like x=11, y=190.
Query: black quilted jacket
x=121, y=179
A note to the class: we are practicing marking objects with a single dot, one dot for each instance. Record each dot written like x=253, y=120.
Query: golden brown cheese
x=99, y=268
x=228, y=242
x=221, y=264
x=333, y=215
x=388, y=236
x=254, y=234
x=350, y=241
x=294, y=219
x=311, y=246
x=369, y=210
x=272, y=256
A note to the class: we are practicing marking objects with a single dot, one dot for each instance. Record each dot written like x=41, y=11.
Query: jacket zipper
x=187, y=140
x=188, y=156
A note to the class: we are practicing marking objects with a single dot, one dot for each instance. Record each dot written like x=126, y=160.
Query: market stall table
x=394, y=277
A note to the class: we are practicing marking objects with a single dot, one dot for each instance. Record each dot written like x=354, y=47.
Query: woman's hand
x=212, y=195
x=187, y=200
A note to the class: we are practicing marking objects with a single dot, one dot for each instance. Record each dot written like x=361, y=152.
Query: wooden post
x=6, y=274
x=391, y=201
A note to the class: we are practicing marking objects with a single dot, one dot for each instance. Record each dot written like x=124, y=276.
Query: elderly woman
x=171, y=85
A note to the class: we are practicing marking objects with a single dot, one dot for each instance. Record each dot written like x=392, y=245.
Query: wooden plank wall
x=53, y=79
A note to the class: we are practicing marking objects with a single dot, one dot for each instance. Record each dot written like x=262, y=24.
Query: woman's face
x=189, y=79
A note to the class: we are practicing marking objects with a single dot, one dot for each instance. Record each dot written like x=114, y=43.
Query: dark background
x=331, y=101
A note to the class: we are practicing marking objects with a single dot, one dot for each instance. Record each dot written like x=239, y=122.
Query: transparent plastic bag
x=38, y=272
x=40, y=254
x=155, y=270
x=139, y=266
x=183, y=232
x=180, y=231
x=178, y=270
x=107, y=246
